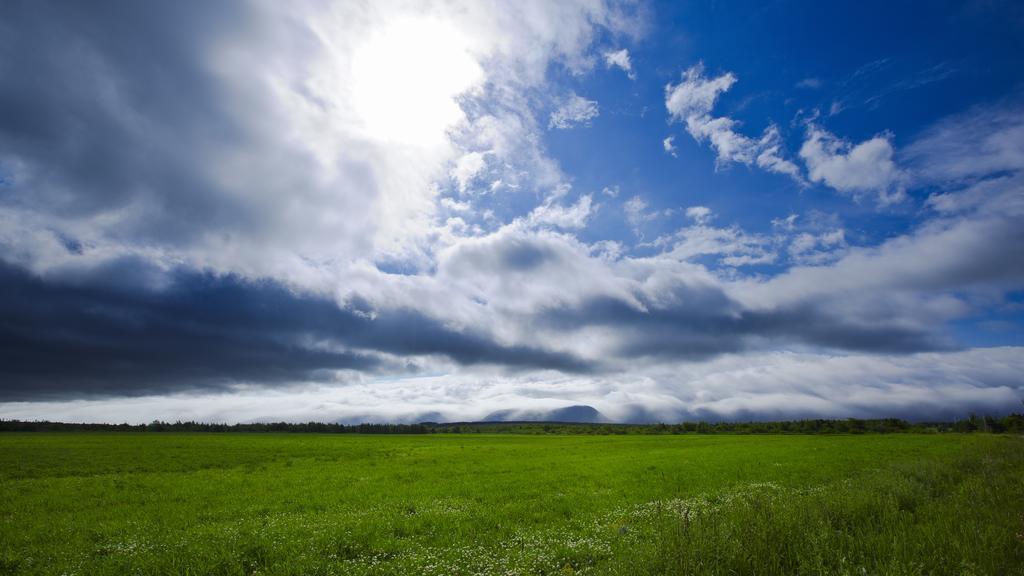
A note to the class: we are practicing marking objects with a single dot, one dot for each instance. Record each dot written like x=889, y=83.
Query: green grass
x=124, y=503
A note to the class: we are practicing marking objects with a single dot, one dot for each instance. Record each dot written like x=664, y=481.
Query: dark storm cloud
x=813, y=325
x=704, y=322
x=524, y=256
x=106, y=104
x=410, y=333
x=699, y=319
x=107, y=334
x=63, y=339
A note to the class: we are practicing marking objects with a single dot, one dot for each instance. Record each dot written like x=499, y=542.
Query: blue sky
x=894, y=75
x=380, y=211
x=864, y=73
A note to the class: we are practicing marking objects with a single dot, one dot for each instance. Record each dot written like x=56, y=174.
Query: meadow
x=93, y=503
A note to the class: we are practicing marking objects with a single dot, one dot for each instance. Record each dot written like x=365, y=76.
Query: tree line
x=1013, y=423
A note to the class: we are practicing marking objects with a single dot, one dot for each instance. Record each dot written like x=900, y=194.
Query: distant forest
x=1013, y=423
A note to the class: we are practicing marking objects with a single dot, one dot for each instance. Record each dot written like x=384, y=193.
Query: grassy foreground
x=141, y=503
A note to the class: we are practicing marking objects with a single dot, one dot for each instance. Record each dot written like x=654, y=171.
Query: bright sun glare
x=406, y=78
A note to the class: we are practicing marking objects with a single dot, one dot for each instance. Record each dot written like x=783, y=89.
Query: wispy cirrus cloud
x=574, y=111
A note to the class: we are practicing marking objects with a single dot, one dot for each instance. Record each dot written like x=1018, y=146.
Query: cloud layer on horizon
x=777, y=385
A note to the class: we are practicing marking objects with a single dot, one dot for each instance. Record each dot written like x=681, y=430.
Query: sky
x=403, y=211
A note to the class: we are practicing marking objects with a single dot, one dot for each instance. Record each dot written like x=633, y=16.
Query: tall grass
x=225, y=505
x=925, y=517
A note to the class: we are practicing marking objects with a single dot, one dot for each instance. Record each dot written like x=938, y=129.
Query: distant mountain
x=577, y=414
x=501, y=416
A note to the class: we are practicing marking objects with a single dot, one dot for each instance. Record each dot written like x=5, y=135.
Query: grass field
x=125, y=503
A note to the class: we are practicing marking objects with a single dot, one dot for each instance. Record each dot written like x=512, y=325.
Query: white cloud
x=574, y=111
x=731, y=246
x=515, y=159
x=856, y=169
x=976, y=143
x=787, y=223
x=1001, y=190
x=770, y=155
x=923, y=274
x=313, y=138
x=636, y=214
x=699, y=214
x=455, y=206
x=574, y=216
x=814, y=239
x=527, y=284
x=691, y=102
x=620, y=59
x=670, y=147
x=696, y=95
x=808, y=248
x=466, y=168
